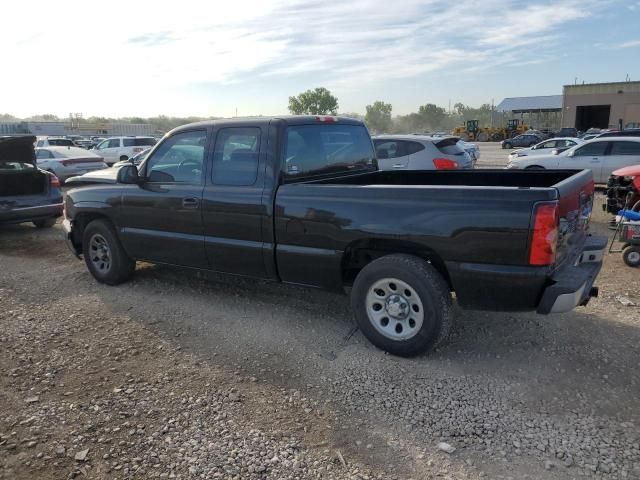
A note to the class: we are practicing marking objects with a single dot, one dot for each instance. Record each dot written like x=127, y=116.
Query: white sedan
x=601, y=155
x=546, y=147
x=65, y=162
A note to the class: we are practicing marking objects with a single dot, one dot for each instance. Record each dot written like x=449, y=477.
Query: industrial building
x=61, y=128
x=601, y=105
x=539, y=112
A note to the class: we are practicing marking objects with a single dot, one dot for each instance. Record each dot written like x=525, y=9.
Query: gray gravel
x=197, y=375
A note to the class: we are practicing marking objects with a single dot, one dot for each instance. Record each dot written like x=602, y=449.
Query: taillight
x=326, y=119
x=544, y=239
x=54, y=181
x=445, y=164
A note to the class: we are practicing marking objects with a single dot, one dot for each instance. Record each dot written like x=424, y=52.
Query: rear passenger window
x=625, y=148
x=235, y=157
x=449, y=146
x=414, y=147
x=138, y=142
x=391, y=148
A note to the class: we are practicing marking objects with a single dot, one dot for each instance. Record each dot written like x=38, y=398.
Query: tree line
x=320, y=101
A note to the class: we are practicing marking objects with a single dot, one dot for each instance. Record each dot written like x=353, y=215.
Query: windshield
x=313, y=150
x=139, y=142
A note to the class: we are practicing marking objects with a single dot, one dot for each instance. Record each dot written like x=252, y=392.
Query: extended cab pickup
x=300, y=200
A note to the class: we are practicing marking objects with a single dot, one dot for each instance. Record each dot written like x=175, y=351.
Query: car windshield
x=139, y=142
x=61, y=142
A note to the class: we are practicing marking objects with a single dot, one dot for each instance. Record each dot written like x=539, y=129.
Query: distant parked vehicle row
x=546, y=147
x=601, y=155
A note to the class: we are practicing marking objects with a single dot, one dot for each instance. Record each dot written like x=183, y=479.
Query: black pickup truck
x=300, y=200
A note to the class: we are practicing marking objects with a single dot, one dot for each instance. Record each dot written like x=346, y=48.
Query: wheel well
x=362, y=252
x=80, y=222
x=124, y=157
x=534, y=167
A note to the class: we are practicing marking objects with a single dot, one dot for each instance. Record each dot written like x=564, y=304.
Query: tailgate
x=575, y=204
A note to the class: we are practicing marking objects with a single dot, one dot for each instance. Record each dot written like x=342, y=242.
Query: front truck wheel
x=104, y=255
x=402, y=305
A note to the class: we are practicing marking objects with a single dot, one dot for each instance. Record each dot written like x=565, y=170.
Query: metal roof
x=547, y=103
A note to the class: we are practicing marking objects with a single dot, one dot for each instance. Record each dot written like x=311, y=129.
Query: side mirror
x=571, y=154
x=555, y=151
x=128, y=174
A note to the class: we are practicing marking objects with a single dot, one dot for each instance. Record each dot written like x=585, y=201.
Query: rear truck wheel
x=534, y=167
x=45, y=223
x=402, y=305
x=507, y=145
x=103, y=253
x=631, y=256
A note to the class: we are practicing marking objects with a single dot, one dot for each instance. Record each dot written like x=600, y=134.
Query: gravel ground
x=188, y=375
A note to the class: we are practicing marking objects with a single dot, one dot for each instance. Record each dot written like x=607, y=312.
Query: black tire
x=123, y=158
x=507, y=145
x=45, y=223
x=534, y=167
x=631, y=256
x=118, y=267
x=432, y=293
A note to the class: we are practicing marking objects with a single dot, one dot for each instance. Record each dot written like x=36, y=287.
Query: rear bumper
x=573, y=285
x=67, y=232
x=29, y=214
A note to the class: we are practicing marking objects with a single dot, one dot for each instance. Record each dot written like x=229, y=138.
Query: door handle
x=397, y=165
x=190, y=203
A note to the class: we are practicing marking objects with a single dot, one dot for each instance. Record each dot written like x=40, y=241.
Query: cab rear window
x=316, y=150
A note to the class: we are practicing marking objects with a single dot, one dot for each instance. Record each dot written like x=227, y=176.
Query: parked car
x=522, y=140
x=632, y=132
x=567, y=132
x=315, y=210
x=84, y=143
x=588, y=136
x=122, y=148
x=67, y=162
x=601, y=156
x=623, y=191
x=418, y=152
x=27, y=193
x=472, y=149
x=54, y=142
x=546, y=147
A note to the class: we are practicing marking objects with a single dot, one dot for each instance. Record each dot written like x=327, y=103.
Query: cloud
x=142, y=52
x=630, y=43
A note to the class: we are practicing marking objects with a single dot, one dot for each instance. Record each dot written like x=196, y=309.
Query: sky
x=216, y=58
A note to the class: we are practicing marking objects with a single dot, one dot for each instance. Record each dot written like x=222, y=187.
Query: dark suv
x=523, y=140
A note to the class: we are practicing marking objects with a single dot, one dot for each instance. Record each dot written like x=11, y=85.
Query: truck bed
x=475, y=224
x=471, y=178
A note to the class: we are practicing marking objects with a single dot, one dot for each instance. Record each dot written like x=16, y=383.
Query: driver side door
x=161, y=218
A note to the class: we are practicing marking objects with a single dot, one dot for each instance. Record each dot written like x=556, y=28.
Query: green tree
x=314, y=102
x=378, y=117
x=432, y=116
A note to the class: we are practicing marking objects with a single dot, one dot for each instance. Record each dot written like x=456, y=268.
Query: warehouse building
x=601, y=105
x=539, y=112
